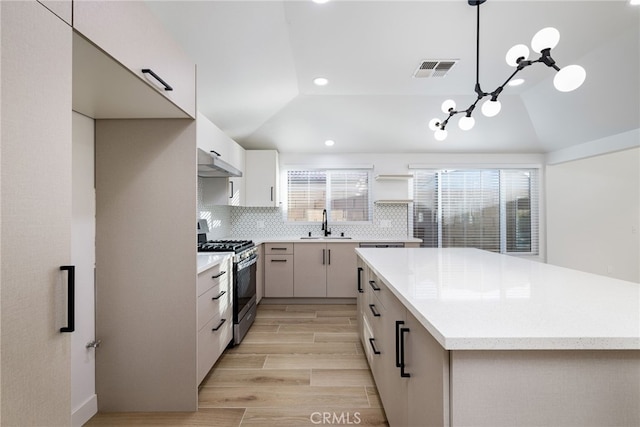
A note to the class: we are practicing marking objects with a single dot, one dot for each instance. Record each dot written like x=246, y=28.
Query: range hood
x=212, y=166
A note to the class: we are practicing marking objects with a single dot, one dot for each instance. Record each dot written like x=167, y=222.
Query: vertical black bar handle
x=231, y=195
x=403, y=374
x=71, y=289
x=360, y=270
x=398, y=323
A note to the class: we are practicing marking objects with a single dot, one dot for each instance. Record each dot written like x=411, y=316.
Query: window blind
x=344, y=193
x=491, y=209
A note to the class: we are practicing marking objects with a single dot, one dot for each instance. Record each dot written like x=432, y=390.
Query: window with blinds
x=343, y=193
x=491, y=209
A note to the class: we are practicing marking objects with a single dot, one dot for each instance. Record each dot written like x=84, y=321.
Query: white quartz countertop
x=470, y=299
x=207, y=260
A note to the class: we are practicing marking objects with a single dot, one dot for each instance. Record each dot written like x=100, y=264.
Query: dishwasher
x=382, y=245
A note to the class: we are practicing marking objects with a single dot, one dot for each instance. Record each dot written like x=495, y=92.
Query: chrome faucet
x=325, y=223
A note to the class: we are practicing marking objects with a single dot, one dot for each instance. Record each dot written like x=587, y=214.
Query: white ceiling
x=257, y=60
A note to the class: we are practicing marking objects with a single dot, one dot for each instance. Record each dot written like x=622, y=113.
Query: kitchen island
x=466, y=337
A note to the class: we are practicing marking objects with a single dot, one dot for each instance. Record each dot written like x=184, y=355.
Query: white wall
x=593, y=214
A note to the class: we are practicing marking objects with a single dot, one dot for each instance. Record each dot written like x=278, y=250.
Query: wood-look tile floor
x=299, y=365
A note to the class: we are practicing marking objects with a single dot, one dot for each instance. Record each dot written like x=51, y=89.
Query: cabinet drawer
x=212, y=303
x=218, y=275
x=211, y=343
x=278, y=248
x=372, y=344
x=379, y=292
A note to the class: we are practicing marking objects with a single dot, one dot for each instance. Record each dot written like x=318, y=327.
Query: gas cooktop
x=235, y=246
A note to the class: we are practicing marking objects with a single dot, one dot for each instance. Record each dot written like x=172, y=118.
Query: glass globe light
x=569, y=78
x=545, y=38
x=517, y=51
x=433, y=124
x=441, y=134
x=448, y=105
x=466, y=123
x=491, y=108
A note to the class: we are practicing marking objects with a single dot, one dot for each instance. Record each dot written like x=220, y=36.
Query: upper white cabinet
x=62, y=8
x=129, y=33
x=261, y=178
x=221, y=191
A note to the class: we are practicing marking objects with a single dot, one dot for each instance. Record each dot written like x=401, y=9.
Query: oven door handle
x=248, y=262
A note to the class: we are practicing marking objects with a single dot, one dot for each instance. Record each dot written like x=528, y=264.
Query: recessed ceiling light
x=320, y=81
x=320, y=1
x=634, y=2
x=516, y=82
x=329, y=142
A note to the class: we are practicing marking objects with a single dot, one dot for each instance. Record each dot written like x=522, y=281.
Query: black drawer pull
x=278, y=249
x=219, y=325
x=373, y=346
x=373, y=285
x=218, y=275
x=373, y=310
x=157, y=77
x=278, y=260
x=71, y=292
x=360, y=270
x=219, y=295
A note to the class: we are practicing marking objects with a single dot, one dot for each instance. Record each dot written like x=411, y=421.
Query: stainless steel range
x=244, y=280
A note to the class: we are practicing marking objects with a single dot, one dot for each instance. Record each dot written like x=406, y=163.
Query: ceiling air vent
x=434, y=68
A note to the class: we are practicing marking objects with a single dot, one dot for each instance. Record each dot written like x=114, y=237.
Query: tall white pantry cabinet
x=145, y=214
x=35, y=202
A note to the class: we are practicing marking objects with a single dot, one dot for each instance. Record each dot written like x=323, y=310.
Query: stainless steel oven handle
x=247, y=262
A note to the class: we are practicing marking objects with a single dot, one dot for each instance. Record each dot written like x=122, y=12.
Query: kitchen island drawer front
x=218, y=275
x=213, y=338
x=212, y=303
x=278, y=248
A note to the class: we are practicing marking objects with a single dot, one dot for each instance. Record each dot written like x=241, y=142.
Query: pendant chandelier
x=567, y=78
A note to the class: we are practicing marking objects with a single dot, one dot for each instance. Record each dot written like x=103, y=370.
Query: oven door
x=244, y=294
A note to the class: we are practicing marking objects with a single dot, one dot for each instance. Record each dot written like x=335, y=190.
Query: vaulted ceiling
x=257, y=60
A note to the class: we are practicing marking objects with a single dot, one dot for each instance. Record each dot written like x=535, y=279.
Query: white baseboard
x=84, y=412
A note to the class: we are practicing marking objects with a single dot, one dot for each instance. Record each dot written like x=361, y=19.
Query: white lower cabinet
x=324, y=270
x=410, y=368
x=215, y=315
x=278, y=270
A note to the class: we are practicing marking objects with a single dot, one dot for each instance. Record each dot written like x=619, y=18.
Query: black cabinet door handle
x=218, y=275
x=323, y=257
x=219, y=295
x=372, y=307
x=373, y=346
x=272, y=194
x=398, y=323
x=219, y=325
x=157, y=77
x=328, y=256
x=373, y=285
x=360, y=270
x=231, y=195
x=71, y=290
x=403, y=374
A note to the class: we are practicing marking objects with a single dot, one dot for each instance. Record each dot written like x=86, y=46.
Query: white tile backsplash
x=390, y=221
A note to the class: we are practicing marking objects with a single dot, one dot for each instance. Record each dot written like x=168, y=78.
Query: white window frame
x=285, y=193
